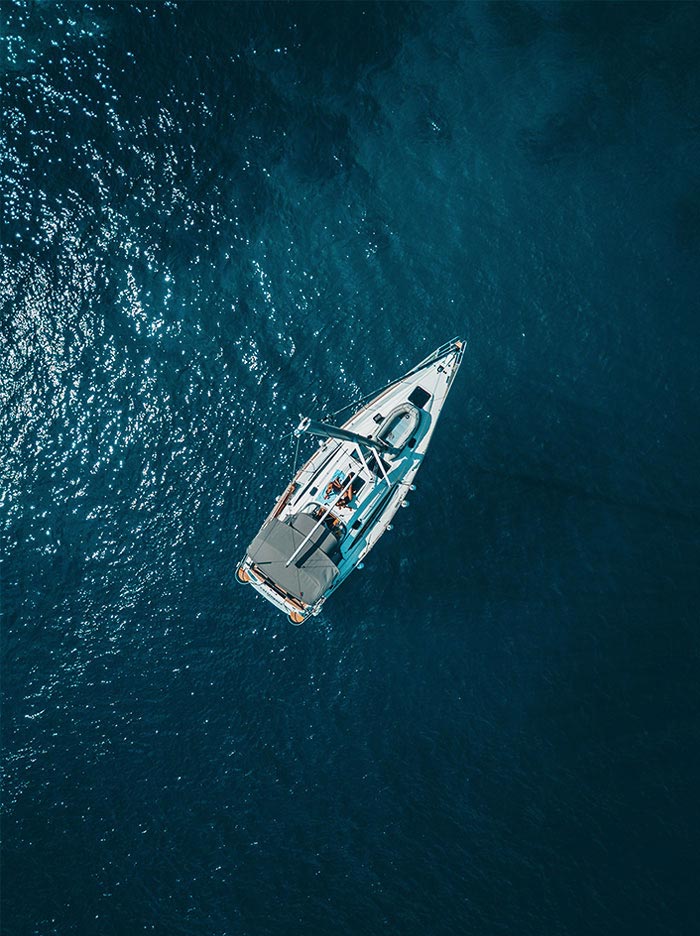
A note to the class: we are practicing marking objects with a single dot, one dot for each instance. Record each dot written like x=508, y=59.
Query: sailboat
x=344, y=498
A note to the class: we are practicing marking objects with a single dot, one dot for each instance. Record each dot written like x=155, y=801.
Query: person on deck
x=333, y=488
x=347, y=496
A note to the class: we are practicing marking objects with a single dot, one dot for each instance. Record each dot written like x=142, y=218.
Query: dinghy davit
x=345, y=496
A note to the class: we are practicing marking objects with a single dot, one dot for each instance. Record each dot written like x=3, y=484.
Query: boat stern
x=296, y=611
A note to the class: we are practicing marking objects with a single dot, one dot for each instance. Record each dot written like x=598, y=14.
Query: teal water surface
x=218, y=216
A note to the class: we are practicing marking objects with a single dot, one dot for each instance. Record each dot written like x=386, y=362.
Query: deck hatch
x=419, y=397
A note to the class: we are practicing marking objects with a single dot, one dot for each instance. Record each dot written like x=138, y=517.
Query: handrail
x=364, y=463
x=456, y=343
x=381, y=466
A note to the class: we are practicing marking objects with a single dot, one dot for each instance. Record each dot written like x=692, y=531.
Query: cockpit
x=331, y=521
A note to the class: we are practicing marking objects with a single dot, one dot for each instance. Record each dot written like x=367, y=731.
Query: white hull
x=405, y=413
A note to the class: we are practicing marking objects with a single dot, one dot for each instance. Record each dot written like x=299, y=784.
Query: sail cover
x=313, y=570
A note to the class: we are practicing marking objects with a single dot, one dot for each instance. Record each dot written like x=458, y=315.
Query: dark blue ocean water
x=217, y=216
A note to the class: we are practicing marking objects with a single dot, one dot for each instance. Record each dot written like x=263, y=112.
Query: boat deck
x=343, y=499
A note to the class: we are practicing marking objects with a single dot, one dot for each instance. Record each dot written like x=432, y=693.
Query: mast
x=326, y=431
